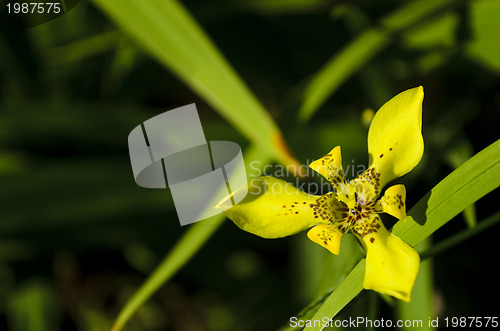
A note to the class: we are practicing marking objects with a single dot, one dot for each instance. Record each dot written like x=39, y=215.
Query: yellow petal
x=327, y=236
x=274, y=208
x=395, y=142
x=391, y=264
x=330, y=167
x=393, y=202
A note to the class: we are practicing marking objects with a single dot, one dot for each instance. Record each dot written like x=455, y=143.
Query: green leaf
x=32, y=306
x=464, y=186
x=485, y=47
x=361, y=50
x=341, y=296
x=82, y=48
x=462, y=236
x=187, y=246
x=170, y=34
x=340, y=68
x=460, y=153
x=438, y=32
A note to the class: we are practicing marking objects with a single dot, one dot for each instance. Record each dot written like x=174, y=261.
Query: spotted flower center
x=353, y=203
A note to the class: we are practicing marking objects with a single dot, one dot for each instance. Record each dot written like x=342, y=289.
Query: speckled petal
x=327, y=236
x=393, y=202
x=330, y=167
x=274, y=208
x=395, y=142
x=391, y=264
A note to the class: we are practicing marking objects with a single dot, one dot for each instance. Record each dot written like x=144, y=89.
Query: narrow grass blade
x=32, y=306
x=462, y=236
x=376, y=84
x=340, y=297
x=363, y=48
x=339, y=68
x=190, y=243
x=82, y=48
x=464, y=186
x=187, y=246
x=456, y=157
x=170, y=34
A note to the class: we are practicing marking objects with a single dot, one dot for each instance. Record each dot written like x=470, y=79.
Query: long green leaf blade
x=341, y=296
x=363, y=48
x=341, y=67
x=462, y=236
x=187, y=246
x=464, y=186
x=168, y=32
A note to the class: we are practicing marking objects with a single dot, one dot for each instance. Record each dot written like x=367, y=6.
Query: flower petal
x=327, y=236
x=393, y=202
x=391, y=264
x=330, y=167
x=274, y=208
x=395, y=142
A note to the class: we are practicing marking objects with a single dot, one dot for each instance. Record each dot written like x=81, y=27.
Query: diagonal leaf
x=464, y=186
x=363, y=48
x=340, y=68
x=170, y=34
x=82, y=48
x=187, y=246
x=460, y=237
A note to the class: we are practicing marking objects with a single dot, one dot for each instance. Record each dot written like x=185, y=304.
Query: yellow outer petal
x=330, y=167
x=391, y=264
x=395, y=142
x=274, y=208
x=393, y=202
x=327, y=236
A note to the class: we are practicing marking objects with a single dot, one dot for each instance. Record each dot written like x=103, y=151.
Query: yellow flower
x=274, y=208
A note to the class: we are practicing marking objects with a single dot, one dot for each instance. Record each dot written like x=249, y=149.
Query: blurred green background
x=78, y=236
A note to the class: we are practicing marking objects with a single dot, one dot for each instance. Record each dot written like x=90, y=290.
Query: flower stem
x=461, y=236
